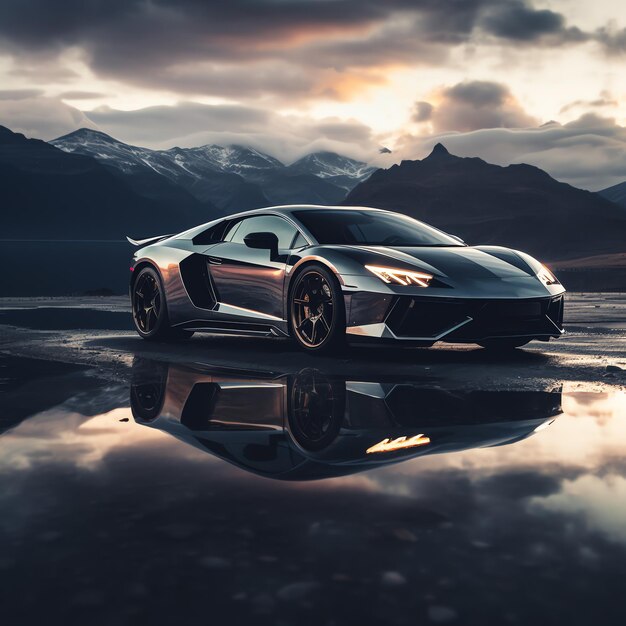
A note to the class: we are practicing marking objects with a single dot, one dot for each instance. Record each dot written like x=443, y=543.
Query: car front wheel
x=317, y=311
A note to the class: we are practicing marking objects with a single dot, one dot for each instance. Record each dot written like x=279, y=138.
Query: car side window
x=230, y=231
x=300, y=241
x=263, y=224
x=210, y=235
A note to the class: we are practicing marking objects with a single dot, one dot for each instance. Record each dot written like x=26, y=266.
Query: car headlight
x=400, y=277
x=546, y=276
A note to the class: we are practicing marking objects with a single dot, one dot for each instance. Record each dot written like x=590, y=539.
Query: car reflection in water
x=309, y=425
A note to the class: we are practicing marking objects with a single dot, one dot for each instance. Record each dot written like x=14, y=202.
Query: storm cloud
x=291, y=76
x=231, y=49
x=472, y=105
x=518, y=21
x=422, y=111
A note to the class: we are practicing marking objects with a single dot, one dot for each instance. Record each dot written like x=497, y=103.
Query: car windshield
x=371, y=228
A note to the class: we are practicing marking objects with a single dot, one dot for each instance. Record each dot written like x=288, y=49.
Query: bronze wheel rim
x=312, y=309
x=147, y=303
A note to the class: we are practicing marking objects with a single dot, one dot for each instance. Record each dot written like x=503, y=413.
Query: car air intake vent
x=513, y=310
x=555, y=310
x=197, y=281
x=418, y=317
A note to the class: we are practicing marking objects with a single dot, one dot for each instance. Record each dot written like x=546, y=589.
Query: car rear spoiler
x=145, y=242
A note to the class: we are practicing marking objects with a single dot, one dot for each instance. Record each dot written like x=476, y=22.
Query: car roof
x=285, y=209
x=291, y=208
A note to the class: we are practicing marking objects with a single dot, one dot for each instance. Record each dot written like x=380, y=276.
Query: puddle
x=312, y=425
x=309, y=498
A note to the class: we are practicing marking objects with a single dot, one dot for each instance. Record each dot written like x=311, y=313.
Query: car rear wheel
x=147, y=389
x=317, y=310
x=150, y=308
x=502, y=345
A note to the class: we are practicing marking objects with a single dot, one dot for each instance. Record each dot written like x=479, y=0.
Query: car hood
x=455, y=262
x=462, y=271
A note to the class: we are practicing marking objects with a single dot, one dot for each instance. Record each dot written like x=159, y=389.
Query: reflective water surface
x=201, y=495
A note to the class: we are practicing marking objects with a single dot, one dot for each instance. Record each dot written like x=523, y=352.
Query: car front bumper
x=426, y=320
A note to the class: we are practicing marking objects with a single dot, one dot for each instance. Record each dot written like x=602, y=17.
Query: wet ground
x=234, y=481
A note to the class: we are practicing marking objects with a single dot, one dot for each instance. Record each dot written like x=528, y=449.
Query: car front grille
x=417, y=317
x=431, y=318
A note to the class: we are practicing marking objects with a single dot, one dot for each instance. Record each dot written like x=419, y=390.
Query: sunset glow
x=352, y=77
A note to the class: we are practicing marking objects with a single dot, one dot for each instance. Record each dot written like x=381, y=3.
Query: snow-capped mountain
x=118, y=154
x=49, y=194
x=231, y=177
x=331, y=164
x=334, y=168
x=148, y=172
x=177, y=164
x=233, y=159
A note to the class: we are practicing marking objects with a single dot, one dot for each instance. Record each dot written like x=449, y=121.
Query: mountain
x=142, y=170
x=233, y=177
x=338, y=169
x=519, y=206
x=234, y=159
x=169, y=175
x=616, y=193
x=49, y=194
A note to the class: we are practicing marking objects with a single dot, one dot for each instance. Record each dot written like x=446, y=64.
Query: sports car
x=326, y=276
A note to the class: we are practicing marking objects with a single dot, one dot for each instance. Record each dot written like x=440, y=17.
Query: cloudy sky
x=540, y=81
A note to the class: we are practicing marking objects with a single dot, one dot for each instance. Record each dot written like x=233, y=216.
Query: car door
x=250, y=280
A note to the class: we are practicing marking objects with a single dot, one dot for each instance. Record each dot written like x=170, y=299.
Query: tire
x=503, y=345
x=316, y=409
x=149, y=308
x=147, y=389
x=320, y=328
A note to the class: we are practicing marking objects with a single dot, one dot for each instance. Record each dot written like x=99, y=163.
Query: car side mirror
x=458, y=239
x=262, y=241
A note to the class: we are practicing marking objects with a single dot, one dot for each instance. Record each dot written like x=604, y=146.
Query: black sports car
x=327, y=275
